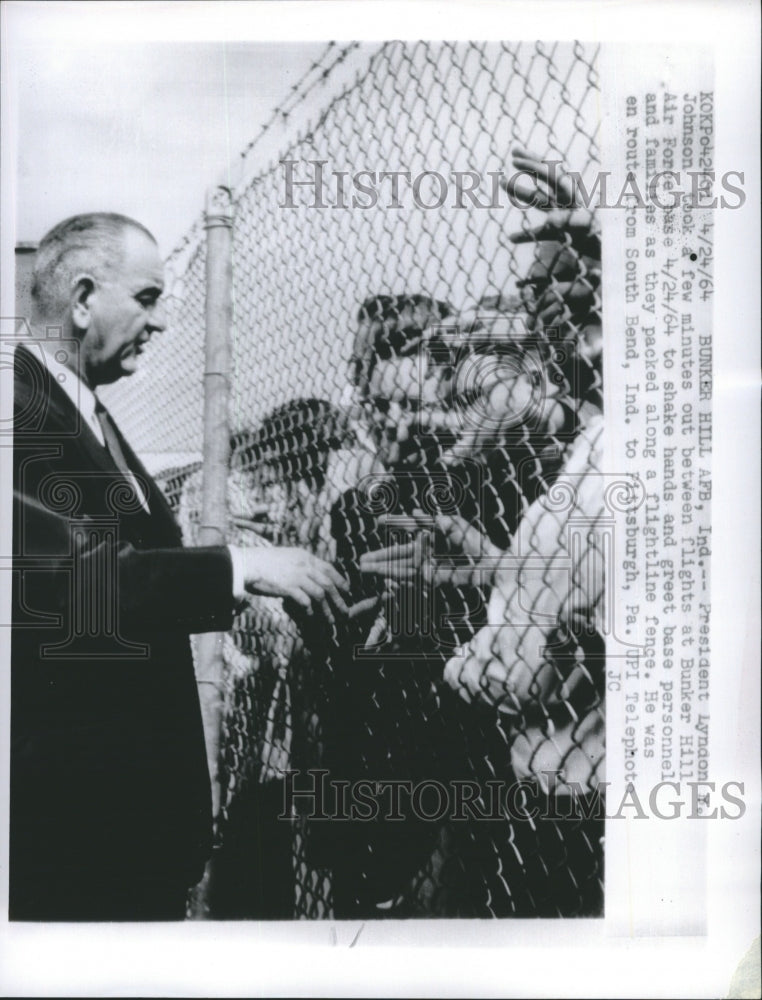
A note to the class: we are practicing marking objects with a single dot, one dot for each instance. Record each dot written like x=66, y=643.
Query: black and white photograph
x=369, y=553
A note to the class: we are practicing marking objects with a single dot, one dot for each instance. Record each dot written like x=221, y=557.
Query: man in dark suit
x=110, y=799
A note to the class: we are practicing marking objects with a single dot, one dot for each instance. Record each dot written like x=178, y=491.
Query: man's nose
x=158, y=320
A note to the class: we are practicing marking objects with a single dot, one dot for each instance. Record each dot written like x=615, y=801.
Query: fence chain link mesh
x=409, y=377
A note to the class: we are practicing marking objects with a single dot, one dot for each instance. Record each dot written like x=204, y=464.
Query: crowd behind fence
x=416, y=397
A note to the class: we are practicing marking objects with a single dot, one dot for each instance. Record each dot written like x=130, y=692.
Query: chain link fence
x=417, y=398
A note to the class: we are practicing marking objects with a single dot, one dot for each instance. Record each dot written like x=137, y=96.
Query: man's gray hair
x=93, y=242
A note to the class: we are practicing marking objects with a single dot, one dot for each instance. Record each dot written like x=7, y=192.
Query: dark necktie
x=114, y=448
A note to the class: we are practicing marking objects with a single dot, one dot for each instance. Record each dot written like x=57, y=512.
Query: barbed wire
x=430, y=380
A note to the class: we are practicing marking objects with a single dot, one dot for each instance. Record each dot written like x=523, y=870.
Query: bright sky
x=139, y=128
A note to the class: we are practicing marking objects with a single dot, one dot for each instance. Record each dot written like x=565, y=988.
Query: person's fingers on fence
x=564, y=225
x=578, y=680
x=445, y=573
x=379, y=631
x=263, y=529
x=496, y=685
x=294, y=573
x=564, y=301
x=302, y=599
x=394, y=571
x=549, y=172
x=522, y=193
x=333, y=574
x=560, y=302
x=470, y=679
x=453, y=673
x=436, y=418
x=553, y=307
x=379, y=560
x=530, y=676
x=393, y=520
x=322, y=589
x=479, y=678
x=580, y=295
x=259, y=511
x=423, y=519
x=249, y=513
x=552, y=261
x=455, y=529
x=328, y=587
x=523, y=158
x=514, y=672
x=411, y=422
x=392, y=561
x=362, y=348
x=452, y=526
x=528, y=297
x=460, y=535
x=325, y=606
x=367, y=616
x=410, y=560
x=359, y=609
x=464, y=671
x=314, y=587
x=550, y=229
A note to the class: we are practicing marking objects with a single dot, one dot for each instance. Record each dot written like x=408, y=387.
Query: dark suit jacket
x=109, y=778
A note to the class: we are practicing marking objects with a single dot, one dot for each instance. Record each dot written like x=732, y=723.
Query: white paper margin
x=453, y=958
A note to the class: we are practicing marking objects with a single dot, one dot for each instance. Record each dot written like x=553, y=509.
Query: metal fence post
x=216, y=455
x=300, y=280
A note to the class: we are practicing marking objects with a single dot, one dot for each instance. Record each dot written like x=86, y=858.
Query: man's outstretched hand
x=298, y=576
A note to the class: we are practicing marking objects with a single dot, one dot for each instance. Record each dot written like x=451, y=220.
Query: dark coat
x=109, y=779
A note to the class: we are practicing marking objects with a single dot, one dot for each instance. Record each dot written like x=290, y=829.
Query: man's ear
x=82, y=287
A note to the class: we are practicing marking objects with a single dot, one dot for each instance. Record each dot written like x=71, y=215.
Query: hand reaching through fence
x=257, y=519
x=550, y=186
x=562, y=286
x=447, y=551
x=553, y=191
x=460, y=536
x=457, y=385
x=296, y=574
x=538, y=586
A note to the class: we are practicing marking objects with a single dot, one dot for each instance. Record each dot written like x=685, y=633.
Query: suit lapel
x=63, y=422
x=157, y=501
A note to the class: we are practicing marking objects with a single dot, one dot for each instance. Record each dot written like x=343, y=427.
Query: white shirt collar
x=84, y=399
x=78, y=392
x=81, y=395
